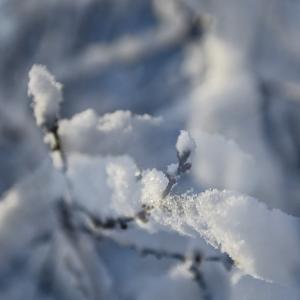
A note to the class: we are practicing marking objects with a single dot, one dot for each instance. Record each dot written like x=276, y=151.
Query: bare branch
x=195, y=260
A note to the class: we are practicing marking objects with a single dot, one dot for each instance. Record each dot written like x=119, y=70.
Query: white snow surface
x=46, y=94
x=262, y=242
x=185, y=143
x=106, y=186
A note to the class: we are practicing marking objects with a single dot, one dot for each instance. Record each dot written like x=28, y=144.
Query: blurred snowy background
x=226, y=71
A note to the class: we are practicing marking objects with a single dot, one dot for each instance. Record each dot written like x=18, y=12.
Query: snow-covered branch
x=108, y=193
